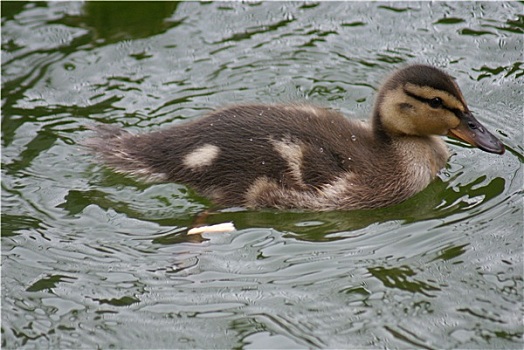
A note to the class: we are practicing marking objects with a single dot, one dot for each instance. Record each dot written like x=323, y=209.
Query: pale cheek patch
x=201, y=157
x=395, y=119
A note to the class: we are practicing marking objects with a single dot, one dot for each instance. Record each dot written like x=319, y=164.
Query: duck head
x=421, y=100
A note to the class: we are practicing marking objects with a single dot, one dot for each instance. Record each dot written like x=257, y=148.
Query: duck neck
x=378, y=127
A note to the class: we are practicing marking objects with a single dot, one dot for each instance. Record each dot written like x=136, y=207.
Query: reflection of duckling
x=302, y=156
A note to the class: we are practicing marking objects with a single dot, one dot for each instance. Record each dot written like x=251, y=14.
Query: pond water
x=92, y=259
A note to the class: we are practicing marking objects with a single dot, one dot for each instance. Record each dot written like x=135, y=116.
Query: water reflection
x=11, y=8
x=48, y=283
x=113, y=21
x=402, y=278
x=93, y=259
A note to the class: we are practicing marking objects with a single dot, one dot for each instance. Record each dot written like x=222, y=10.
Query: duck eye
x=435, y=102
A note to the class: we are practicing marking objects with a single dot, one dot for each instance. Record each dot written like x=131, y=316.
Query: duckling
x=300, y=156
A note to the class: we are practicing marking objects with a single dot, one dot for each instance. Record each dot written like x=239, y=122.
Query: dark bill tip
x=470, y=130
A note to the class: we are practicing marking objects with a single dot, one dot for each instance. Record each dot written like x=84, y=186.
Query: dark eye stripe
x=455, y=111
x=432, y=102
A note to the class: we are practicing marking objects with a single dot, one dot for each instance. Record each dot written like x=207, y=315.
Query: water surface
x=93, y=259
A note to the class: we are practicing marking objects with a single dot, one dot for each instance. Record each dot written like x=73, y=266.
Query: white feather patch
x=201, y=157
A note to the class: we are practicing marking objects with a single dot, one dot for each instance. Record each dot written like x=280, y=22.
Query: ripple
x=93, y=259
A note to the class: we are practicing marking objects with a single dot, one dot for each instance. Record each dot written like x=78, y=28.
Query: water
x=93, y=259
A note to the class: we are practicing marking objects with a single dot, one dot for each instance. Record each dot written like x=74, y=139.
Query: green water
x=91, y=259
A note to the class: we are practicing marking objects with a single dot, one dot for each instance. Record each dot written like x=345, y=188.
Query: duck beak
x=471, y=131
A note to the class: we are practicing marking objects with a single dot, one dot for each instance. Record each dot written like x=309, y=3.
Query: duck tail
x=120, y=150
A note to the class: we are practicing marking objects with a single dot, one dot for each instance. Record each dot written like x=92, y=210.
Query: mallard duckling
x=302, y=156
